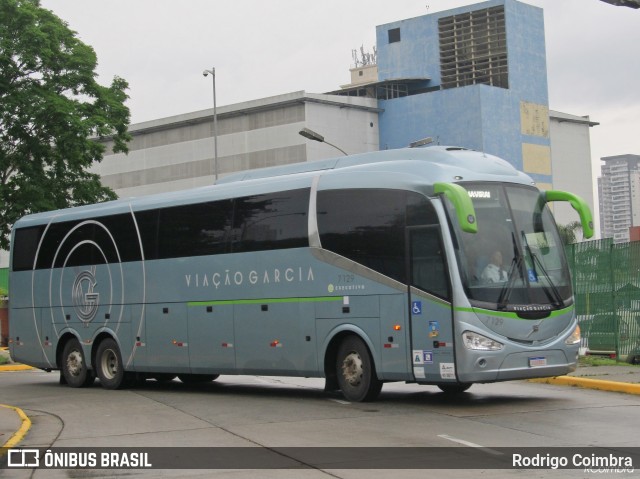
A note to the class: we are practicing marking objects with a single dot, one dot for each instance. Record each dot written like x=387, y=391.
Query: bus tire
x=109, y=367
x=458, y=388
x=75, y=369
x=197, y=378
x=633, y=358
x=356, y=372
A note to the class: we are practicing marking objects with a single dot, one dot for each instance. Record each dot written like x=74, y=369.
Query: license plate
x=537, y=362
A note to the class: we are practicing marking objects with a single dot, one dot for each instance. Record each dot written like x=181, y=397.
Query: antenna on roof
x=364, y=58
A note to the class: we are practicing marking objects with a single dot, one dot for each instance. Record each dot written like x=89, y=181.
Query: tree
x=51, y=111
x=568, y=232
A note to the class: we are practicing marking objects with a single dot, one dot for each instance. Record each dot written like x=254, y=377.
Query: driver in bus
x=493, y=272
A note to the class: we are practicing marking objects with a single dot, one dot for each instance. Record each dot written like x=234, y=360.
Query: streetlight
x=312, y=135
x=215, y=121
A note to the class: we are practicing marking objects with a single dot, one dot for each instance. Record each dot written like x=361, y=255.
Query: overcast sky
x=262, y=48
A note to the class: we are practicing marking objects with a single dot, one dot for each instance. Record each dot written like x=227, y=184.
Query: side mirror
x=461, y=202
x=578, y=204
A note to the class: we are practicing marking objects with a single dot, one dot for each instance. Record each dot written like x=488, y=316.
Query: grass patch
x=595, y=360
x=3, y=360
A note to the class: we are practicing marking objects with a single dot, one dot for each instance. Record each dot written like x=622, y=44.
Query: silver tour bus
x=438, y=266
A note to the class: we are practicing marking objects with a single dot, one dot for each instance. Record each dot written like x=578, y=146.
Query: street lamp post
x=312, y=135
x=206, y=73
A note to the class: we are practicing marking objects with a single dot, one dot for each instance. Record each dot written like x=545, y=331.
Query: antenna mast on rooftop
x=364, y=58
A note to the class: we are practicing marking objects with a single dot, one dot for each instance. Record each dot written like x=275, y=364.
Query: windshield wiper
x=535, y=260
x=505, y=292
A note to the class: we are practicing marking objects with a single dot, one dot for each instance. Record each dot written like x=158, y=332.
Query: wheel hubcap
x=352, y=369
x=74, y=363
x=109, y=364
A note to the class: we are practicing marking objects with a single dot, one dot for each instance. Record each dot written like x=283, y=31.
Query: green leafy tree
x=51, y=111
x=568, y=232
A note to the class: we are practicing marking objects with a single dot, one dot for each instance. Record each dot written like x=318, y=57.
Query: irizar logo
x=480, y=194
x=85, y=300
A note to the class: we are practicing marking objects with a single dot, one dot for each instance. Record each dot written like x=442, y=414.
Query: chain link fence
x=606, y=282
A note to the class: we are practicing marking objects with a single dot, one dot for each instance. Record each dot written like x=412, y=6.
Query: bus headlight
x=479, y=342
x=574, y=338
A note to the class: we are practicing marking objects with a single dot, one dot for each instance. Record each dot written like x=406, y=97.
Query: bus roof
x=435, y=158
x=414, y=169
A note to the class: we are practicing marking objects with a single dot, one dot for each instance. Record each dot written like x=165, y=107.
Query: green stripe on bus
x=317, y=299
x=510, y=315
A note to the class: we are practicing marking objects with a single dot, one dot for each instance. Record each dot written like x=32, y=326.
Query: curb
x=15, y=367
x=19, y=435
x=599, y=384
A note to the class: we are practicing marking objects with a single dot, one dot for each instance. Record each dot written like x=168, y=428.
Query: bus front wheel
x=356, y=372
x=74, y=367
x=109, y=367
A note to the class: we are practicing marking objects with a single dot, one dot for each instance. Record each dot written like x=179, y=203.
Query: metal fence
x=606, y=282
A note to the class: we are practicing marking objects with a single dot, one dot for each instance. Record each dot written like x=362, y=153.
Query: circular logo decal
x=85, y=300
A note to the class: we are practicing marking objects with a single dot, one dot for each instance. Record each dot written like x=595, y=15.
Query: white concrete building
x=177, y=153
x=571, y=161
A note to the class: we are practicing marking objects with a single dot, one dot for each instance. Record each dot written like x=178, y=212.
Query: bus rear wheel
x=75, y=370
x=356, y=372
x=109, y=367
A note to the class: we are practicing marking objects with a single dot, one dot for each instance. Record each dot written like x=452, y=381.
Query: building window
x=394, y=35
x=473, y=49
x=389, y=91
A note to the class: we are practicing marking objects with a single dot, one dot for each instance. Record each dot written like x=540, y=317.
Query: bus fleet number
x=346, y=278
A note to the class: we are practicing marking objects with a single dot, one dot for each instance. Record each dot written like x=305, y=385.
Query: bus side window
x=270, y=221
x=25, y=245
x=368, y=225
x=428, y=269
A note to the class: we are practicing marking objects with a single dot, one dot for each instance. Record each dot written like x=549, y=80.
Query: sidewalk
x=617, y=378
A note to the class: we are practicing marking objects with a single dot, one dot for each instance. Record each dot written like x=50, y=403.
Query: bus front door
x=430, y=309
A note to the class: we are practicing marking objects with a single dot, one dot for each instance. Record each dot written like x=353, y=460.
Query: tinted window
x=255, y=223
x=148, y=225
x=428, y=269
x=74, y=243
x=24, y=247
x=368, y=226
x=271, y=221
x=193, y=230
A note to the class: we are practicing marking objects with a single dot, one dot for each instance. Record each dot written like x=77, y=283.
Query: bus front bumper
x=479, y=367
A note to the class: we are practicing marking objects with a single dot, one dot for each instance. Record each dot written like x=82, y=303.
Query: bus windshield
x=515, y=262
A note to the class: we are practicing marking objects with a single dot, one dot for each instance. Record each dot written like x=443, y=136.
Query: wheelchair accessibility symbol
x=416, y=307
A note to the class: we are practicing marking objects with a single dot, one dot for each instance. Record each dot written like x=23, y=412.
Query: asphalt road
x=288, y=412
